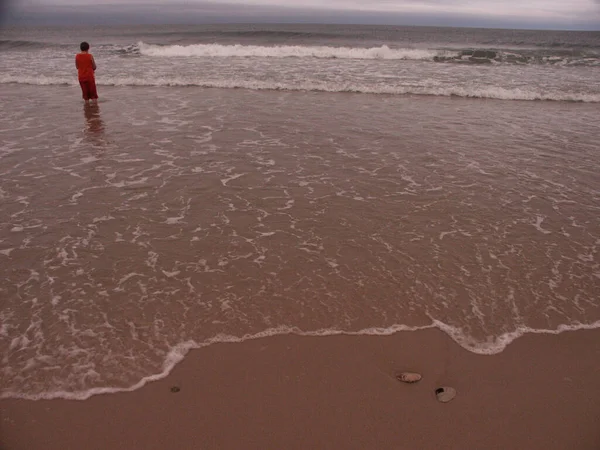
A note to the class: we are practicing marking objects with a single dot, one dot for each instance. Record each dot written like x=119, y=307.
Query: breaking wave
x=487, y=92
x=475, y=56
x=288, y=51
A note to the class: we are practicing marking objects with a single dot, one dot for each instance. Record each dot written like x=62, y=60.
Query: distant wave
x=488, y=92
x=8, y=44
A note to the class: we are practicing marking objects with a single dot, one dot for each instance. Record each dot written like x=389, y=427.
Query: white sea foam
x=489, y=92
x=499, y=343
x=178, y=352
x=291, y=51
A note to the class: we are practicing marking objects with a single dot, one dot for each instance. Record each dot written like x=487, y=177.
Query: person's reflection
x=94, y=130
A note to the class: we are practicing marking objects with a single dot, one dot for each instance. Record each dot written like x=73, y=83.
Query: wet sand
x=297, y=392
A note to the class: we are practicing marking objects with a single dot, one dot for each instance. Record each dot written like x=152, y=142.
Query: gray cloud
x=578, y=14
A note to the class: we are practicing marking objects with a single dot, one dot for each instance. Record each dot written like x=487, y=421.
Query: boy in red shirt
x=86, y=66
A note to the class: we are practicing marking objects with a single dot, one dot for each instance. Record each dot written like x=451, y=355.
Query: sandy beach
x=297, y=392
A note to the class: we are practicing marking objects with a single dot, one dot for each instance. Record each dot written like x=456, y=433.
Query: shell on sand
x=409, y=377
x=445, y=394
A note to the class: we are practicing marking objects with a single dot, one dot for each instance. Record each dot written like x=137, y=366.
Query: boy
x=86, y=66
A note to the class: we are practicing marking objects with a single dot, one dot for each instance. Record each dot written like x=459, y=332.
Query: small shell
x=445, y=394
x=409, y=377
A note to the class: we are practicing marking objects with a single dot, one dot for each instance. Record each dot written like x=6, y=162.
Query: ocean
x=241, y=181
x=502, y=64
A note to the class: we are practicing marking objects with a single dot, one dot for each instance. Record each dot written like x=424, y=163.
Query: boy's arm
x=76, y=65
x=93, y=63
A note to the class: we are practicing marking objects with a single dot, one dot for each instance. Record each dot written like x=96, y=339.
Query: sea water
x=242, y=181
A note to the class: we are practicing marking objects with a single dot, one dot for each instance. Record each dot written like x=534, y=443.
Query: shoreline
x=291, y=391
x=179, y=352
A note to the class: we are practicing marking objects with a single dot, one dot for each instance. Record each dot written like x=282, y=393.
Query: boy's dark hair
x=84, y=46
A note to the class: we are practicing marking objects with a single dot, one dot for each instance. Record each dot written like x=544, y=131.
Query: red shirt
x=85, y=66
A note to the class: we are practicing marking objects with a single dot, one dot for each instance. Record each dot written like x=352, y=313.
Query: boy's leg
x=93, y=93
x=85, y=91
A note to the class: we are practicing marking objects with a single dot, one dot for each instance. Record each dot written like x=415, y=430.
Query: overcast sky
x=554, y=14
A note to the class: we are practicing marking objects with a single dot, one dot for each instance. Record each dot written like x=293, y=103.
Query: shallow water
x=168, y=218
